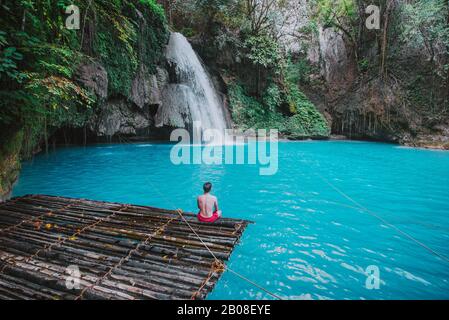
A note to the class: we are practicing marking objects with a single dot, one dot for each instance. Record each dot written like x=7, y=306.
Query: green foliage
x=263, y=50
x=188, y=32
x=364, y=65
x=156, y=10
x=308, y=122
x=154, y=35
x=246, y=28
x=53, y=59
x=272, y=97
x=115, y=47
x=9, y=58
x=41, y=86
x=331, y=12
x=248, y=112
x=39, y=57
x=296, y=71
x=341, y=15
x=426, y=25
x=129, y=33
x=10, y=147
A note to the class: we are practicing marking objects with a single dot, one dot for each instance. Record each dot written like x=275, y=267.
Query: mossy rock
x=10, y=162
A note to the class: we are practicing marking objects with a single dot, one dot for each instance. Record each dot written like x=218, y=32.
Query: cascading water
x=192, y=98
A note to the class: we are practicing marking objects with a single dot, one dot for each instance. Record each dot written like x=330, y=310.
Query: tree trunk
x=23, y=19
x=46, y=134
x=65, y=136
x=84, y=25
x=447, y=61
x=385, y=39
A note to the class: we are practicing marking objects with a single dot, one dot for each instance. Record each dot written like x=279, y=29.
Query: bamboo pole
x=37, y=243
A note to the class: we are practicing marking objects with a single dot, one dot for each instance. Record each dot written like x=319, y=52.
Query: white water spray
x=193, y=97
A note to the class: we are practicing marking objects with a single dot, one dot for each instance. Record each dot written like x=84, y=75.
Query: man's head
x=207, y=187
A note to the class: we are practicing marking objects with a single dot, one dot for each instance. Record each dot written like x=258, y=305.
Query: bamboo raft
x=121, y=251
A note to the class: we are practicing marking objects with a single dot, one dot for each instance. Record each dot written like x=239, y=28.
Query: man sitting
x=208, y=205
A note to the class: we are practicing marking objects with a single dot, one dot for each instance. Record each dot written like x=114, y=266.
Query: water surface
x=309, y=241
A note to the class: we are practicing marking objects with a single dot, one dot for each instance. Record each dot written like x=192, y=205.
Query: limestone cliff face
x=175, y=112
x=337, y=62
x=9, y=162
x=119, y=117
x=10, y=167
x=94, y=77
x=355, y=104
x=179, y=92
x=146, y=87
x=128, y=116
x=347, y=85
x=362, y=104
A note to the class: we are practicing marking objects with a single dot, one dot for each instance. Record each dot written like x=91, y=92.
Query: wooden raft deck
x=122, y=251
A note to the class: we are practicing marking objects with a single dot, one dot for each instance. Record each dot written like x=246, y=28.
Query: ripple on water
x=308, y=241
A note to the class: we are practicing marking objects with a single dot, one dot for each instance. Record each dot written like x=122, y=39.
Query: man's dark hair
x=207, y=187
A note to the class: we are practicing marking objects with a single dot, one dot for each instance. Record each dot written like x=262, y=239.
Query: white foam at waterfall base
x=204, y=104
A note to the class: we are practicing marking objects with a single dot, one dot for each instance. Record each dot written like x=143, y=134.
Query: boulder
x=94, y=77
x=338, y=65
x=175, y=111
x=162, y=77
x=140, y=88
x=118, y=116
x=146, y=88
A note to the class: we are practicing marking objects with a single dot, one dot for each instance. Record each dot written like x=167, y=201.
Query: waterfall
x=191, y=96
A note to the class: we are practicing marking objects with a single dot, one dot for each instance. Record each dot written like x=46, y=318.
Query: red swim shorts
x=214, y=217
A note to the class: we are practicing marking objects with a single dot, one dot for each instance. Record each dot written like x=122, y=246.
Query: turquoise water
x=308, y=242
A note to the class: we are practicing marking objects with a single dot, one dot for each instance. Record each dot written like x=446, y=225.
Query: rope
x=61, y=241
x=37, y=218
x=214, y=268
x=225, y=267
x=375, y=215
x=125, y=258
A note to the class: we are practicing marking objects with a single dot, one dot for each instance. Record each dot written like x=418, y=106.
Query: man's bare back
x=208, y=204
